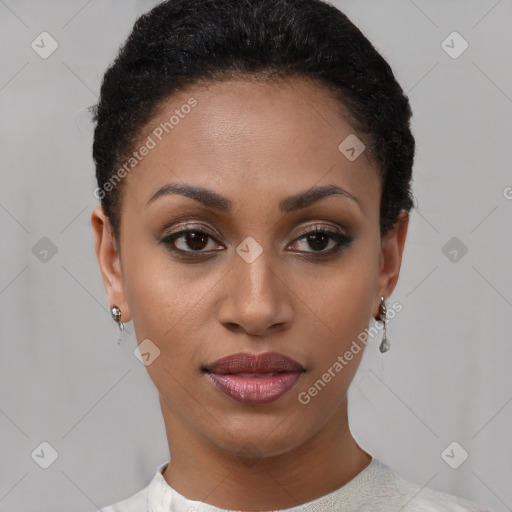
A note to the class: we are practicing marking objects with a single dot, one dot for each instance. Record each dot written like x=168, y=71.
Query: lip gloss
x=251, y=389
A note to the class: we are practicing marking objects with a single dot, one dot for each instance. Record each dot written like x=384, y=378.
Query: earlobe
x=392, y=249
x=109, y=261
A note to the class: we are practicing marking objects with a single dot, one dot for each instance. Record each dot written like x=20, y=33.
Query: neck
x=201, y=470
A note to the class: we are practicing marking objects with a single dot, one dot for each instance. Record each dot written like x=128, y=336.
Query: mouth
x=254, y=364
x=254, y=379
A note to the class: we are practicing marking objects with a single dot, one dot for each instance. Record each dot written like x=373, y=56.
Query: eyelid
x=192, y=227
x=323, y=227
x=340, y=237
x=303, y=231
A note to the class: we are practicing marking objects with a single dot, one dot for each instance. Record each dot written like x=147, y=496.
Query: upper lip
x=243, y=362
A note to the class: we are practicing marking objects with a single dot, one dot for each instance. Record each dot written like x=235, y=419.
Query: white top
x=377, y=489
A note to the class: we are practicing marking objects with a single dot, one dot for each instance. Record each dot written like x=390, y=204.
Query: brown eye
x=189, y=240
x=196, y=242
x=318, y=241
x=319, y=238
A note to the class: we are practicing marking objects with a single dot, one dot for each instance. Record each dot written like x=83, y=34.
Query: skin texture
x=255, y=143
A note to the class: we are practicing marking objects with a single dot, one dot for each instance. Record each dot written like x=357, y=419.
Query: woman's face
x=247, y=278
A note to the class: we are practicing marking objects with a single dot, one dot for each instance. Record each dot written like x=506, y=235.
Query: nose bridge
x=253, y=267
x=255, y=300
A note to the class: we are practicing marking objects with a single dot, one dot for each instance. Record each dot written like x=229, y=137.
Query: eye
x=196, y=240
x=318, y=238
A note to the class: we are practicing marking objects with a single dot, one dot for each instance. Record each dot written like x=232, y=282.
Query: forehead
x=245, y=135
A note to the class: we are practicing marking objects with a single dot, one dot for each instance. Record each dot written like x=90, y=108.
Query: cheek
x=153, y=290
x=351, y=308
x=169, y=306
x=344, y=313
x=344, y=317
x=342, y=301
x=344, y=306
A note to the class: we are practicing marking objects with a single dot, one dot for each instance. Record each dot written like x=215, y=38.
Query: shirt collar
x=163, y=498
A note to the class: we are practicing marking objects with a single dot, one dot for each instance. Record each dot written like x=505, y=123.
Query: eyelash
x=342, y=241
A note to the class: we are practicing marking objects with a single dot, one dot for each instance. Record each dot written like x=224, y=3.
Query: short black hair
x=180, y=43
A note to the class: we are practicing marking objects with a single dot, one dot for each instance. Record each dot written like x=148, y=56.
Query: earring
x=384, y=345
x=116, y=315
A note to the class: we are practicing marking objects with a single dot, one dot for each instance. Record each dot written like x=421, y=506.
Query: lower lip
x=255, y=390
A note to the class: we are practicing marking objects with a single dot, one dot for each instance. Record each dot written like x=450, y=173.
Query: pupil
x=316, y=236
x=199, y=240
x=194, y=240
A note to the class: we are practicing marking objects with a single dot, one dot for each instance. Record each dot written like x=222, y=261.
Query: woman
x=254, y=162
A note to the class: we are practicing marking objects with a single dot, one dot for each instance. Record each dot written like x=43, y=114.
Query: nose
x=257, y=299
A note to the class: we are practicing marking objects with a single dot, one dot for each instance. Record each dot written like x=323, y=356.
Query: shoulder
x=416, y=498
x=138, y=501
x=135, y=503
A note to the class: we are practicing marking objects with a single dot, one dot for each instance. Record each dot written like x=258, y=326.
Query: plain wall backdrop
x=447, y=378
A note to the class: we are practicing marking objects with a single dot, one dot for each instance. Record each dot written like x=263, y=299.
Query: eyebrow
x=214, y=200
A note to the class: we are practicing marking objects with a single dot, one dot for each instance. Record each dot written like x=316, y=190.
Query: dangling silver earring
x=116, y=315
x=384, y=345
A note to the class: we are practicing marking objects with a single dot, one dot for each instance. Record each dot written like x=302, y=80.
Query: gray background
x=447, y=377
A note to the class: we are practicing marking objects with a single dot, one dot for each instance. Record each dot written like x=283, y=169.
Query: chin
x=267, y=439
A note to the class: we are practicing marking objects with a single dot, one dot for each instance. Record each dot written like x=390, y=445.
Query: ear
x=109, y=261
x=392, y=247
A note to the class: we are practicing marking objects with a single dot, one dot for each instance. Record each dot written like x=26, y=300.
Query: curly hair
x=180, y=43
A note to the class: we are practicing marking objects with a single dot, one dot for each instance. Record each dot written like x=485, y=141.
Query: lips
x=244, y=363
x=254, y=379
